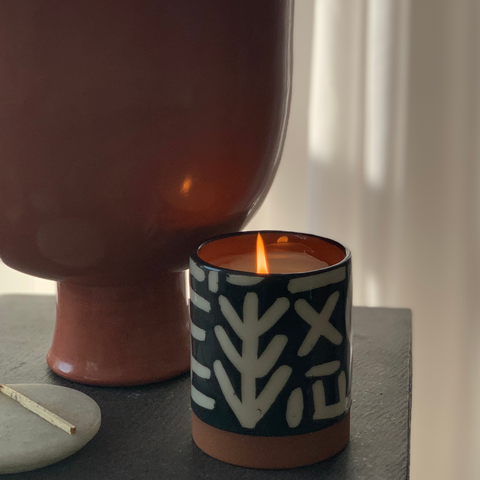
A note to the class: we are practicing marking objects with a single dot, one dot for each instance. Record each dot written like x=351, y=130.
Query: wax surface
x=278, y=262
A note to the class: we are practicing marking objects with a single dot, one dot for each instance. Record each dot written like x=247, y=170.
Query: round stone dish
x=29, y=442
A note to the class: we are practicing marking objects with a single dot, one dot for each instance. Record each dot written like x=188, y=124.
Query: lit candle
x=283, y=256
x=270, y=348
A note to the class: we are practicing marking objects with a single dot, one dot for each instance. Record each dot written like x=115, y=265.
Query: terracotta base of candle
x=124, y=335
x=271, y=452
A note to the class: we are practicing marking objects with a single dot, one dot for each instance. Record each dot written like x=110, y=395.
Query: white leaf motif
x=250, y=408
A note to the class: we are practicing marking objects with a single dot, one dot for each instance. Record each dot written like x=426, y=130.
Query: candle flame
x=262, y=264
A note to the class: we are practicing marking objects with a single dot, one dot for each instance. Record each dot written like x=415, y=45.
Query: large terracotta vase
x=130, y=131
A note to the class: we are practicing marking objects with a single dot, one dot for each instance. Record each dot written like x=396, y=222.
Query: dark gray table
x=145, y=432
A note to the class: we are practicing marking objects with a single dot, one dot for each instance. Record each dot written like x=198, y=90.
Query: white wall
x=12, y=281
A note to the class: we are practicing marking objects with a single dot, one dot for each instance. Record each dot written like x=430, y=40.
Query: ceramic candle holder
x=271, y=353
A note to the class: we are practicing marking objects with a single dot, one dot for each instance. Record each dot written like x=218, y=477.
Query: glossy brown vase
x=130, y=131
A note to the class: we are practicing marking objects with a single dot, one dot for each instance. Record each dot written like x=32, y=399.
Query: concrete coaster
x=28, y=442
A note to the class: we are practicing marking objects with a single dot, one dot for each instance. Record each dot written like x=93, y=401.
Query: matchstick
x=38, y=409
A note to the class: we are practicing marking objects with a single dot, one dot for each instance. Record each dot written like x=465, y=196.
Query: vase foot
x=120, y=336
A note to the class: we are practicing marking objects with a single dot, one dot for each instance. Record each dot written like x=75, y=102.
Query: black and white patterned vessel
x=271, y=353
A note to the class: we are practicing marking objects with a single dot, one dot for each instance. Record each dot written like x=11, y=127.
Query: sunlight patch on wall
x=372, y=290
x=323, y=110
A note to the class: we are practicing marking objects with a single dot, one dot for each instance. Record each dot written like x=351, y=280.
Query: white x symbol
x=319, y=323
